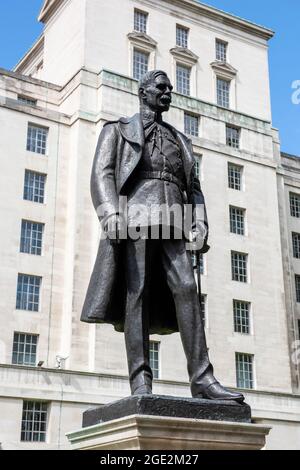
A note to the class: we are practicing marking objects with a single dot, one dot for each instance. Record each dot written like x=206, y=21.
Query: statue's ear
x=142, y=94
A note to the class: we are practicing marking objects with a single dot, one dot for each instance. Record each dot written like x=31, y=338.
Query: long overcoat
x=119, y=150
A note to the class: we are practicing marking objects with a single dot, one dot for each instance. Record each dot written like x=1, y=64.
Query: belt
x=162, y=175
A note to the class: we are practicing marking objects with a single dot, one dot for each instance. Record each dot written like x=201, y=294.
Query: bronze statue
x=144, y=283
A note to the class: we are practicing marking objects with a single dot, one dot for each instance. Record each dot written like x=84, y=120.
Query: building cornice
x=292, y=157
x=49, y=7
x=221, y=16
x=26, y=78
x=33, y=53
x=35, y=112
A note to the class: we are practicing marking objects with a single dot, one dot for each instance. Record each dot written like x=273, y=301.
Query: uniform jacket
x=119, y=150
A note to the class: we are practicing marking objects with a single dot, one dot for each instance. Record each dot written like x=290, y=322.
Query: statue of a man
x=143, y=280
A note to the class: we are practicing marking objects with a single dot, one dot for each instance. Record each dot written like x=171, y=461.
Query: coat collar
x=132, y=129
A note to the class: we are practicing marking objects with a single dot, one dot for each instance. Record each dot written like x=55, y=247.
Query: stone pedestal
x=165, y=423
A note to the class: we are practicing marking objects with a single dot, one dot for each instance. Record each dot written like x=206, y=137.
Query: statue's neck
x=148, y=115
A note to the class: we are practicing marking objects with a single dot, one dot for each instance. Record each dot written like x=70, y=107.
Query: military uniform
x=159, y=180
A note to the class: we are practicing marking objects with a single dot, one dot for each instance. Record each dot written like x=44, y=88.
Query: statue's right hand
x=113, y=228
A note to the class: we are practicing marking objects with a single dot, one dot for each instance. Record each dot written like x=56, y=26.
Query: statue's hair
x=150, y=77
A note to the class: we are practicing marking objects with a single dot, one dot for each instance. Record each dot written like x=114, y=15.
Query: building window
x=297, y=286
x=182, y=36
x=24, y=349
x=154, y=358
x=203, y=308
x=221, y=51
x=241, y=313
x=235, y=177
x=28, y=292
x=239, y=266
x=140, y=21
x=34, y=186
x=191, y=125
x=244, y=370
x=140, y=64
x=296, y=245
x=223, y=93
x=37, y=139
x=34, y=421
x=198, y=166
x=202, y=267
x=295, y=205
x=202, y=263
x=183, y=80
x=27, y=101
x=237, y=220
x=31, y=237
x=233, y=137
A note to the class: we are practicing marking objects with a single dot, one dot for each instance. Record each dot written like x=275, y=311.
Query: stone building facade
x=79, y=74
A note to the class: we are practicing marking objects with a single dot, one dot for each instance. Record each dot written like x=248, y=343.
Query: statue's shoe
x=143, y=390
x=216, y=391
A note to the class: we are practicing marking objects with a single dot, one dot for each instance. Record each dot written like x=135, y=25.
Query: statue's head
x=155, y=91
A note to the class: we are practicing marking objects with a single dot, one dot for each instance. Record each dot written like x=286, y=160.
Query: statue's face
x=158, y=94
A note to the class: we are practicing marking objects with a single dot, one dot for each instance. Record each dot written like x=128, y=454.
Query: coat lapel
x=132, y=132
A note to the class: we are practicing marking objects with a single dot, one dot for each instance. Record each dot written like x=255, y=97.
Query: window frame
x=20, y=294
x=188, y=86
x=296, y=235
x=34, y=188
x=294, y=208
x=33, y=412
x=239, y=321
x=32, y=142
x=195, y=117
x=202, y=263
x=239, y=231
x=185, y=43
x=223, y=43
x=252, y=380
x=137, y=50
x=137, y=12
x=16, y=349
x=297, y=288
x=198, y=166
x=241, y=278
x=225, y=104
x=27, y=101
x=33, y=250
x=204, y=310
x=233, y=179
x=232, y=141
x=155, y=371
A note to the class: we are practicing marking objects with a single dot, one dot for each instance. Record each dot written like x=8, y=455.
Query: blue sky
x=19, y=29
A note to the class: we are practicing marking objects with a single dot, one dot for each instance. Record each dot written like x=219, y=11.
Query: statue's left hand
x=197, y=240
